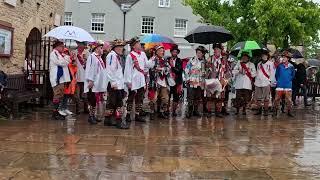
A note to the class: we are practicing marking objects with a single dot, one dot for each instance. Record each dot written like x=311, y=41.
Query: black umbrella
x=314, y=62
x=209, y=35
x=296, y=54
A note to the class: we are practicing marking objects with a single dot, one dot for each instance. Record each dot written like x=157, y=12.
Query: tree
x=280, y=22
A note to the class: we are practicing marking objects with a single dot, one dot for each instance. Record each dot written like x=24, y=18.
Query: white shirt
x=96, y=72
x=261, y=79
x=132, y=75
x=56, y=59
x=242, y=81
x=114, y=70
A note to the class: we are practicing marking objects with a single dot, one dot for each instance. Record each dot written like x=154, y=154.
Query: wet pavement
x=35, y=147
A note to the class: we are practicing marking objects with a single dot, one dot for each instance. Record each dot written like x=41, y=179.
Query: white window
x=147, y=25
x=164, y=3
x=84, y=1
x=97, y=22
x=180, y=28
x=68, y=19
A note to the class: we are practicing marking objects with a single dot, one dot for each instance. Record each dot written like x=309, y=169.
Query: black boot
x=244, y=110
x=265, y=112
x=85, y=108
x=190, y=111
x=224, y=111
x=57, y=116
x=152, y=116
x=290, y=114
x=128, y=117
x=163, y=115
x=259, y=112
x=219, y=115
x=92, y=120
x=77, y=108
x=122, y=124
x=109, y=121
x=195, y=111
x=275, y=112
x=139, y=118
x=237, y=111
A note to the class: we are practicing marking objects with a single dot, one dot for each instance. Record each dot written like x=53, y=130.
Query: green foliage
x=280, y=22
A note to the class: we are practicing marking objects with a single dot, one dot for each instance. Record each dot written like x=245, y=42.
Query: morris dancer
x=244, y=72
x=116, y=92
x=160, y=82
x=81, y=58
x=265, y=72
x=195, y=72
x=134, y=78
x=96, y=80
x=59, y=75
x=176, y=72
x=216, y=69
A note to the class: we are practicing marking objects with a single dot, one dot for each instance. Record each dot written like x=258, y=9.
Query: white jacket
x=114, y=70
x=81, y=71
x=56, y=59
x=132, y=75
x=96, y=72
x=261, y=79
x=242, y=81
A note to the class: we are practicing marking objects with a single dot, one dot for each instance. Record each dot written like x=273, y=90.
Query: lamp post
x=124, y=8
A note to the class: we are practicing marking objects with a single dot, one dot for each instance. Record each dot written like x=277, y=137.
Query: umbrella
x=253, y=46
x=314, y=62
x=296, y=54
x=312, y=67
x=70, y=33
x=208, y=35
x=155, y=39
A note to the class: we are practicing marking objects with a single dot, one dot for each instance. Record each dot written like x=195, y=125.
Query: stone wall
x=24, y=17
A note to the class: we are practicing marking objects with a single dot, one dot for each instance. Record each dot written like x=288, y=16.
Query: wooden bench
x=18, y=91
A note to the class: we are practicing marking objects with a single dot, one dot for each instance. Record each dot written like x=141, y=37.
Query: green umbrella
x=244, y=51
x=253, y=46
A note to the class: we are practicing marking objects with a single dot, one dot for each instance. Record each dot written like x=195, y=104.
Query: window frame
x=65, y=19
x=91, y=22
x=180, y=29
x=153, y=22
x=166, y=3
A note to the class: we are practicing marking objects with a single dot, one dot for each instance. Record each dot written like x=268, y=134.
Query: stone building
x=27, y=18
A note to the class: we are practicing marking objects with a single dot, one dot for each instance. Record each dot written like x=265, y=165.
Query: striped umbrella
x=155, y=39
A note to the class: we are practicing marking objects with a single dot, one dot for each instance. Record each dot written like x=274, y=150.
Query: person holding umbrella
x=215, y=70
x=284, y=75
x=59, y=75
x=244, y=72
x=195, y=72
x=263, y=80
x=96, y=80
x=300, y=82
x=113, y=115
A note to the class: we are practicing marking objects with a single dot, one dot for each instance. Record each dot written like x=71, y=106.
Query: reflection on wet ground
x=35, y=147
